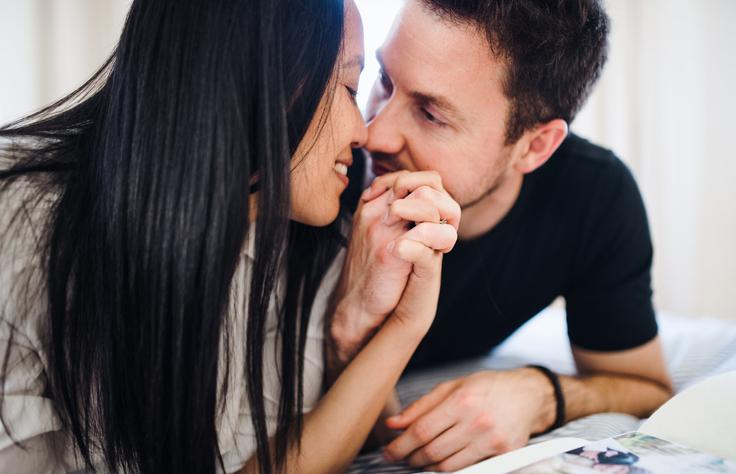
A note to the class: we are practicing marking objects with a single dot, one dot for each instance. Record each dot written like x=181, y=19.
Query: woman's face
x=320, y=164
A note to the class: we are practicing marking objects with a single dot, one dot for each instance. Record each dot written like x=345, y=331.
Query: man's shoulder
x=586, y=156
x=582, y=169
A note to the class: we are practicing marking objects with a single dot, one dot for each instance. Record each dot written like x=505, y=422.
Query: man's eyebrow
x=436, y=101
x=425, y=99
x=356, y=61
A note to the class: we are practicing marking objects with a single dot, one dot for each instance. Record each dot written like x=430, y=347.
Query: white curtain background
x=665, y=104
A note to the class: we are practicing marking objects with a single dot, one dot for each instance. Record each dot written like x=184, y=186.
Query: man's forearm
x=599, y=393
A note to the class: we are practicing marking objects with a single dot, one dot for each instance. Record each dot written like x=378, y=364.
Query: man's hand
x=397, y=207
x=469, y=419
x=466, y=420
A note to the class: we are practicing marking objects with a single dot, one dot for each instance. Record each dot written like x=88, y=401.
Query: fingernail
x=388, y=457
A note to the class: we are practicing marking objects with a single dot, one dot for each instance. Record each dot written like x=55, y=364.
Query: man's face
x=439, y=105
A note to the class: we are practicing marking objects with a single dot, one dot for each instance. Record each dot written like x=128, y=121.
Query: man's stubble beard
x=500, y=171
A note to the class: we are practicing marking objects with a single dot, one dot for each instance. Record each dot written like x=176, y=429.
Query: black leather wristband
x=559, y=396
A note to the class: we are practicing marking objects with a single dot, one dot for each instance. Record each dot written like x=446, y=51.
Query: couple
x=179, y=294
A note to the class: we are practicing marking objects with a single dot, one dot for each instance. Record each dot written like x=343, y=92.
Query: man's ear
x=541, y=142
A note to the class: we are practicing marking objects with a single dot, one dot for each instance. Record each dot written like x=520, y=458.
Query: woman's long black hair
x=153, y=162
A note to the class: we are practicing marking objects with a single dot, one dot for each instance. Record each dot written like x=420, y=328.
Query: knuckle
x=503, y=447
x=422, y=431
x=401, y=177
x=402, y=246
x=464, y=399
x=420, y=192
x=499, y=444
x=432, y=453
x=484, y=422
x=425, y=192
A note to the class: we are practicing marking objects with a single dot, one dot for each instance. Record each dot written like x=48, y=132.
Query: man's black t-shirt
x=578, y=230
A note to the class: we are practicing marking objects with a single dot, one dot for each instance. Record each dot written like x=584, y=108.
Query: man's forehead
x=438, y=58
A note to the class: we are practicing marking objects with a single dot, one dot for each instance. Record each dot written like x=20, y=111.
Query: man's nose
x=385, y=134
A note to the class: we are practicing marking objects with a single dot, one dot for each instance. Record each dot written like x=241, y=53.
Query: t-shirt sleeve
x=609, y=299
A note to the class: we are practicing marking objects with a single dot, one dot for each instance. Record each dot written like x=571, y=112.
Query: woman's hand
x=404, y=223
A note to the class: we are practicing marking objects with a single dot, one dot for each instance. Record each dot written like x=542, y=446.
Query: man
x=482, y=92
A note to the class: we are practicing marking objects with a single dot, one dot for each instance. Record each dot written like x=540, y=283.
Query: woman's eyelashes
x=353, y=94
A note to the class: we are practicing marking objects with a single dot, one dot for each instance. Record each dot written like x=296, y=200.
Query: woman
x=166, y=230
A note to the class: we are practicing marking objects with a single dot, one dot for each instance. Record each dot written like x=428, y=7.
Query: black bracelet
x=559, y=396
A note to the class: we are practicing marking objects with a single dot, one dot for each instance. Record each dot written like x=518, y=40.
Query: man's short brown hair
x=554, y=51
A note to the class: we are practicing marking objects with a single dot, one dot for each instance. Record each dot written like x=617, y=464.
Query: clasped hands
x=400, y=217
x=462, y=421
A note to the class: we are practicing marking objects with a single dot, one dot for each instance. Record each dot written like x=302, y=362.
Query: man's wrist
x=547, y=401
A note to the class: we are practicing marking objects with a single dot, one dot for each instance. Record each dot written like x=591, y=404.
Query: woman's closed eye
x=353, y=94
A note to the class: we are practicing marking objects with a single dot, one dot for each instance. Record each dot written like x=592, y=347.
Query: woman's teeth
x=341, y=168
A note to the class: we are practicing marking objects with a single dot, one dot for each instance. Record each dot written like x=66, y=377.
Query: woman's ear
x=542, y=142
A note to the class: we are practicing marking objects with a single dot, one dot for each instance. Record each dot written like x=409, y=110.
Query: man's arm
x=488, y=413
x=633, y=381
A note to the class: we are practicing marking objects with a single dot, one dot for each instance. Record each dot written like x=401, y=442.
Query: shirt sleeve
x=244, y=445
x=609, y=300
x=244, y=435
x=31, y=439
x=30, y=421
